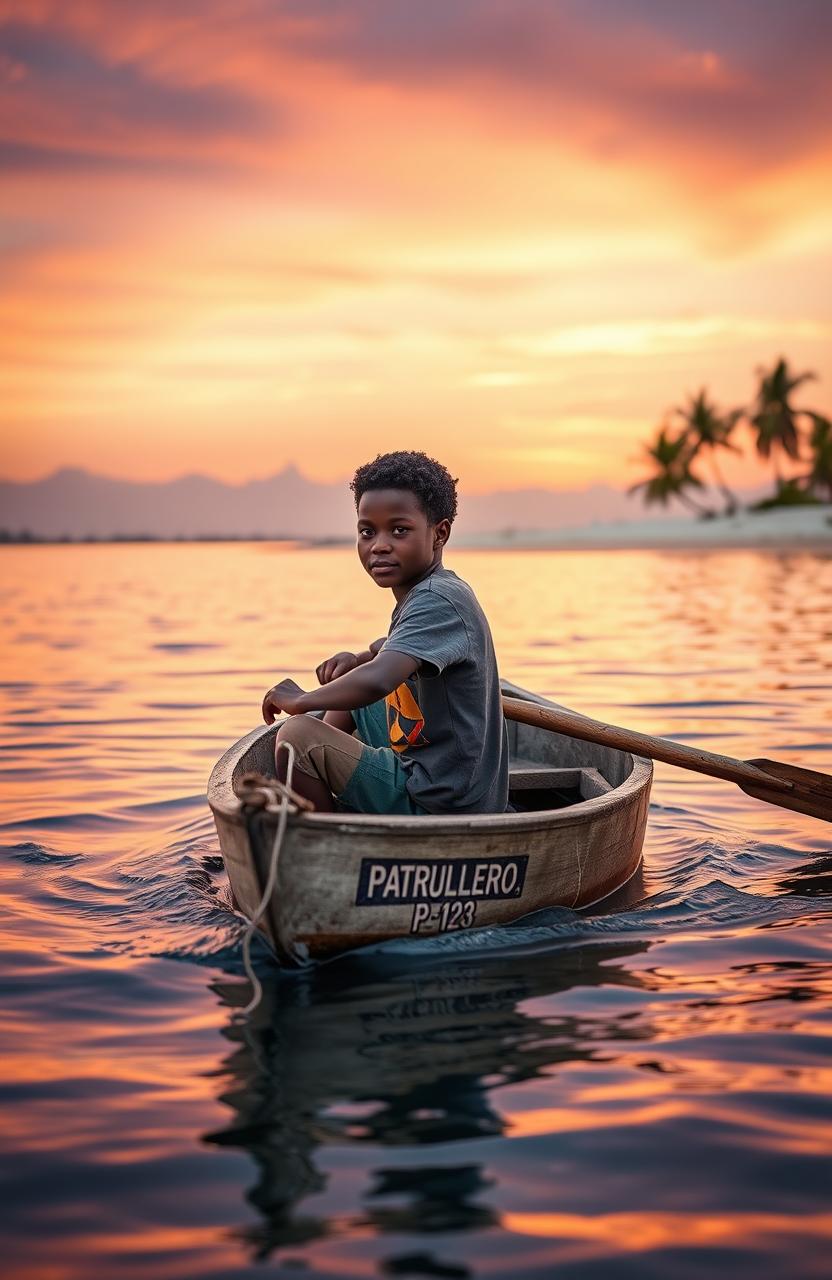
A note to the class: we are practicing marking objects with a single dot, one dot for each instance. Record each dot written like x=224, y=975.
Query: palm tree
x=672, y=458
x=707, y=429
x=775, y=419
x=820, y=476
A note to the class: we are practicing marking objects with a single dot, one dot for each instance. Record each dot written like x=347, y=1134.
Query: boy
x=424, y=701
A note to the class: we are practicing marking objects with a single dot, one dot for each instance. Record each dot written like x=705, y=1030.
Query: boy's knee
x=297, y=730
x=301, y=733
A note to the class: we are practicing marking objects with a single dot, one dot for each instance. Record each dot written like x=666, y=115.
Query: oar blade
x=811, y=792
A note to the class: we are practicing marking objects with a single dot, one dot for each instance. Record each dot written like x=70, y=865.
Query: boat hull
x=345, y=881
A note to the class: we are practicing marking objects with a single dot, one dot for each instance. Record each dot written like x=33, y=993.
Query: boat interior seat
x=540, y=786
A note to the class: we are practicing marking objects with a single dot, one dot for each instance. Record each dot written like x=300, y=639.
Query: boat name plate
x=383, y=882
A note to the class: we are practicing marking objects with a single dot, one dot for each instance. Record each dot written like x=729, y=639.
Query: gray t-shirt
x=447, y=719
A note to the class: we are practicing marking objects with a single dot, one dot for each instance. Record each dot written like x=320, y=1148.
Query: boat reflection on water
x=350, y=1054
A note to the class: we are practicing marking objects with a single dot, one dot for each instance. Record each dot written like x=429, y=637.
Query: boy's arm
x=366, y=683
x=340, y=663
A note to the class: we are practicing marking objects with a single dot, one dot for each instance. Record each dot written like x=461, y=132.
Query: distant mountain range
x=78, y=504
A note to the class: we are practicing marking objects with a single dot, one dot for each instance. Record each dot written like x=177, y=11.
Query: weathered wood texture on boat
x=345, y=880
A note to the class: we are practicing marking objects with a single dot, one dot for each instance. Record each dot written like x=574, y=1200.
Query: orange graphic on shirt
x=405, y=722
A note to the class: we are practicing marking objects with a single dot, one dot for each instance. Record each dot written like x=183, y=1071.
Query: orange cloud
x=511, y=235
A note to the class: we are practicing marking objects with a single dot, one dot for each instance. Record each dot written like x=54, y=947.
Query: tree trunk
x=687, y=501
x=731, y=503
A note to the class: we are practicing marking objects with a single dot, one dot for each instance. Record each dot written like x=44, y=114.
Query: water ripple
x=504, y=1101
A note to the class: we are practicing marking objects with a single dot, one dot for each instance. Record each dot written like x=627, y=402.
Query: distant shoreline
x=783, y=529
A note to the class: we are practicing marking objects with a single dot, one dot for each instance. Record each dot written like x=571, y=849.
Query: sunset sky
x=508, y=232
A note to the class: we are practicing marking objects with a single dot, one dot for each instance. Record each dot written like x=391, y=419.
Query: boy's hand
x=338, y=665
x=372, y=678
x=286, y=696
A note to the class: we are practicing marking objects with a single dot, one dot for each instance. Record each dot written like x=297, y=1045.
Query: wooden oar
x=771, y=780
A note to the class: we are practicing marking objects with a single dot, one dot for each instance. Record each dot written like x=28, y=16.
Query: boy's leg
x=311, y=788
x=330, y=763
x=325, y=759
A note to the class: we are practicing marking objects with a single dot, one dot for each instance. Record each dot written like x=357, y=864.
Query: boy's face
x=397, y=543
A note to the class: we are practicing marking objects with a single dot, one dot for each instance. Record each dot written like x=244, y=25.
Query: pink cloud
x=740, y=88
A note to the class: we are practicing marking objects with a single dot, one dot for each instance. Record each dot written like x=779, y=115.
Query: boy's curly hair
x=433, y=484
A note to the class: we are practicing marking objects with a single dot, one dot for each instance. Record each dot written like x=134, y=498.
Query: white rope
x=271, y=878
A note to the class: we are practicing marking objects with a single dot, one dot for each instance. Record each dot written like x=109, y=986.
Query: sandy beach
x=784, y=529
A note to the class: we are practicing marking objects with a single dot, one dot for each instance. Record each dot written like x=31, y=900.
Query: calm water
x=639, y=1093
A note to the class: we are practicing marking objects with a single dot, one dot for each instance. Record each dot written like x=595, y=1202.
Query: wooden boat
x=344, y=880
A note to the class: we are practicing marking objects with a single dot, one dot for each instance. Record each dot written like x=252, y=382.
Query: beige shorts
x=363, y=772
x=323, y=751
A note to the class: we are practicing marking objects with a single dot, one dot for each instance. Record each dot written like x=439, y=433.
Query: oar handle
x=641, y=744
